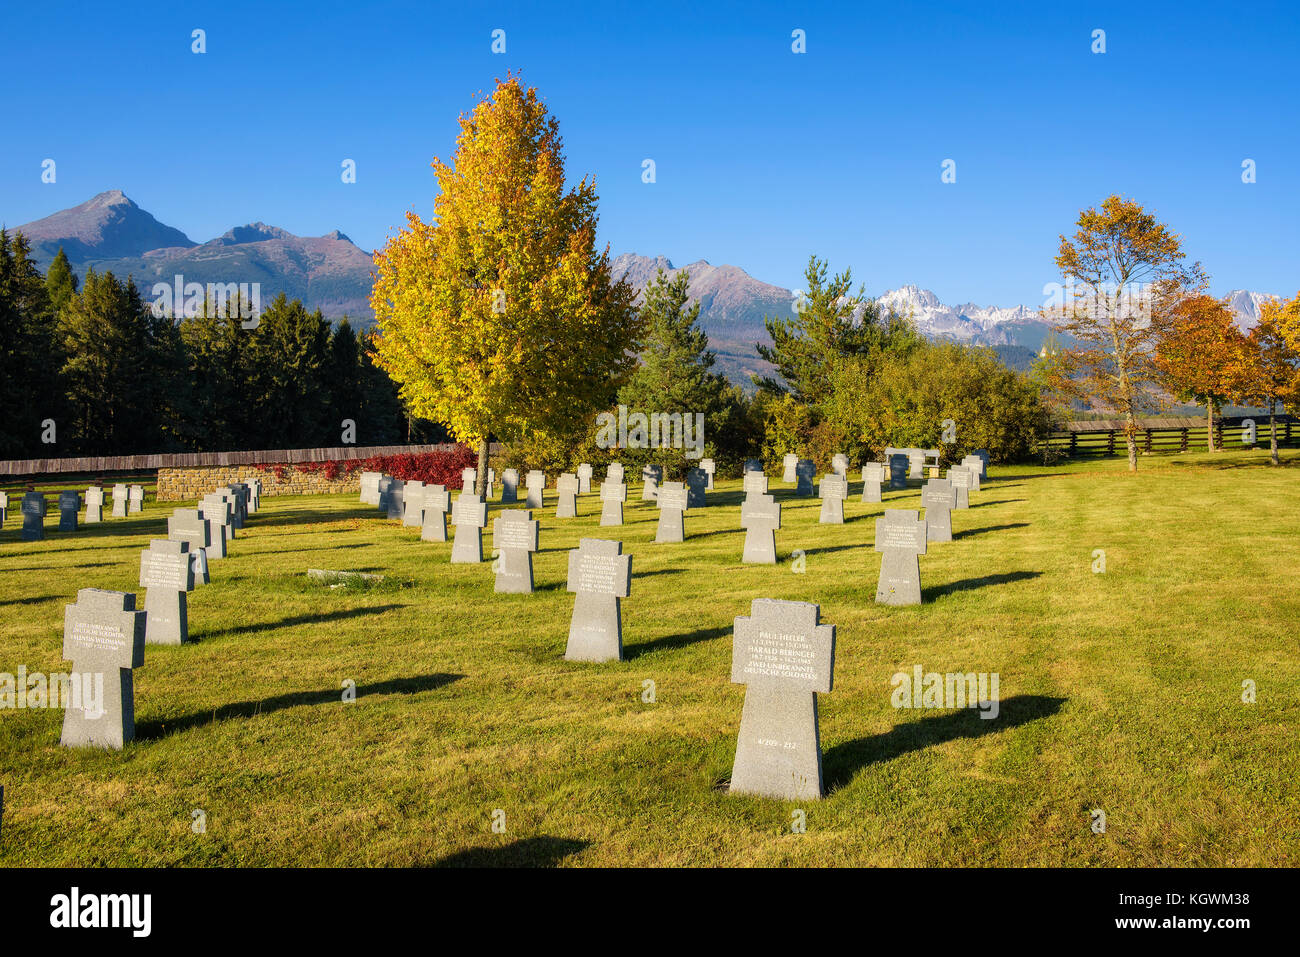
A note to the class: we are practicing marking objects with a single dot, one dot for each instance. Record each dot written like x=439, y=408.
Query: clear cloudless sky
x=762, y=155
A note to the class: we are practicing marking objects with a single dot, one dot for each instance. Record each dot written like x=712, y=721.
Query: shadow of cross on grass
x=152, y=730
x=967, y=584
x=526, y=852
x=843, y=761
x=301, y=620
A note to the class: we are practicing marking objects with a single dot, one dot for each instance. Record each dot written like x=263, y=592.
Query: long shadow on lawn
x=843, y=761
x=527, y=852
x=991, y=528
x=52, y=568
x=967, y=584
x=307, y=620
x=675, y=641
x=152, y=730
x=1001, y=501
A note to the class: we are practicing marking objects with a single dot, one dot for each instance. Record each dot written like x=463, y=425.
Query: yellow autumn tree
x=1272, y=372
x=498, y=318
x=1202, y=355
x=1123, y=274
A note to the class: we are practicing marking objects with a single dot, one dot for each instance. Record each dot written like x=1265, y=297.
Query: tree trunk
x=1130, y=439
x=1272, y=432
x=480, y=481
x=1209, y=424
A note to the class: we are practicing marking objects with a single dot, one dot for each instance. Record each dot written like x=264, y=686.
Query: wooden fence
x=1106, y=437
x=95, y=465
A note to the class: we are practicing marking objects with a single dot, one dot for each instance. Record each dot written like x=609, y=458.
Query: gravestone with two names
x=166, y=575
x=600, y=576
x=103, y=637
x=900, y=536
x=514, y=539
x=961, y=479
x=469, y=515
x=190, y=526
x=217, y=512
x=976, y=466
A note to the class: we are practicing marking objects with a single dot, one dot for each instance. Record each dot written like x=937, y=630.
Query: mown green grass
x=1120, y=691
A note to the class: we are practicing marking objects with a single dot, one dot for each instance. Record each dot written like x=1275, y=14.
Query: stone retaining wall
x=189, y=484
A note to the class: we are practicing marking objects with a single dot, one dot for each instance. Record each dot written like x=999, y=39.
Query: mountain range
x=330, y=272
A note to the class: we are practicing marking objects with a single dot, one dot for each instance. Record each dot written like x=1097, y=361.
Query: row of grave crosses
x=127, y=499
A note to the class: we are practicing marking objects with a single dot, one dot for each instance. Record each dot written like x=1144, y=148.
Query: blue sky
x=762, y=156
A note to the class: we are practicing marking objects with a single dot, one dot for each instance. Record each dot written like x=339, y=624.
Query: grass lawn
x=1120, y=691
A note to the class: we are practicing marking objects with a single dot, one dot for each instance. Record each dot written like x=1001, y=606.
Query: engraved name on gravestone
x=469, y=515
x=166, y=575
x=94, y=505
x=804, y=472
x=840, y=464
x=235, y=495
x=612, y=497
x=514, y=539
x=650, y=478
x=434, y=508
x=976, y=466
x=672, y=511
x=760, y=517
x=509, y=486
x=900, y=536
x=189, y=525
x=753, y=483
x=873, y=476
x=566, y=489
x=396, y=499
x=709, y=468
x=600, y=575
x=790, y=463
x=119, y=501
x=697, y=480
x=33, y=509
x=69, y=505
x=103, y=637
x=834, y=489
x=898, y=471
x=584, y=478
x=135, y=499
x=784, y=656
x=413, y=505
x=536, y=484
x=939, y=498
x=961, y=479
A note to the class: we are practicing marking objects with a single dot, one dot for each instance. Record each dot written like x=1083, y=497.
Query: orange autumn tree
x=1202, y=355
x=1272, y=373
x=499, y=317
x=1123, y=270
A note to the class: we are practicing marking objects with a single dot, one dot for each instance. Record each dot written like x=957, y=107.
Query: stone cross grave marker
x=434, y=508
x=190, y=526
x=69, y=505
x=217, y=510
x=509, y=486
x=834, y=489
x=396, y=499
x=94, y=505
x=840, y=464
x=467, y=479
x=385, y=488
x=615, y=472
x=697, y=480
x=584, y=478
x=900, y=535
x=566, y=487
x=235, y=495
x=600, y=575
x=672, y=511
x=754, y=484
x=514, y=539
x=413, y=505
x=915, y=463
x=939, y=498
x=873, y=476
x=166, y=575
x=650, y=478
x=491, y=481
x=760, y=517
x=33, y=509
x=804, y=472
x=612, y=497
x=784, y=656
x=4, y=508
x=898, y=471
x=536, y=483
x=976, y=466
x=119, y=501
x=983, y=456
x=961, y=479
x=369, y=488
x=709, y=468
x=255, y=495
x=791, y=464
x=469, y=515
x=103, y=637
x=135, y=499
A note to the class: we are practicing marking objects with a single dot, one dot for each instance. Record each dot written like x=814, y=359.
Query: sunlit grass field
x=1121, y=691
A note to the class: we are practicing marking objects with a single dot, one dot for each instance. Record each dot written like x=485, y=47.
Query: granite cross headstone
x=873, y=476
x=166, y=575
x=584, y=478
x=754, y=484
x=396, y=499
x=536, y=483
x=672, y=509
x=760, y=517
x=961, y=479
x=650, y=478
x=600, y=575
x=709, y=469
x=566, y=489
x=413, y=504
x=612, y=496
x=469, y=515
x=900, y=535
x=939, y=498
x=69, y=505
x=514, y=539
x=976, y=466
x=135, y=499
x=791, y=465
x=434, y=508
x=103, y=637
x=119, y=501
x=615, y=472
x=189, y=525
x=834, y=489
x=467, y=479
x=840, y=464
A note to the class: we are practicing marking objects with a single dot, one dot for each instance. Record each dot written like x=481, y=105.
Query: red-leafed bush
x=440, y=468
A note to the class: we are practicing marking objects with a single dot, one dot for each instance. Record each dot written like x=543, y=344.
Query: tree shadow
x=317, y=516
x=55, y=568
x=304, y=620
x=290, y=551
x=969, y=584
x=33, y=600
x=526, y=852
x=675, y=641
x=153, y=730
x=991, y=528
x=843, y=761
